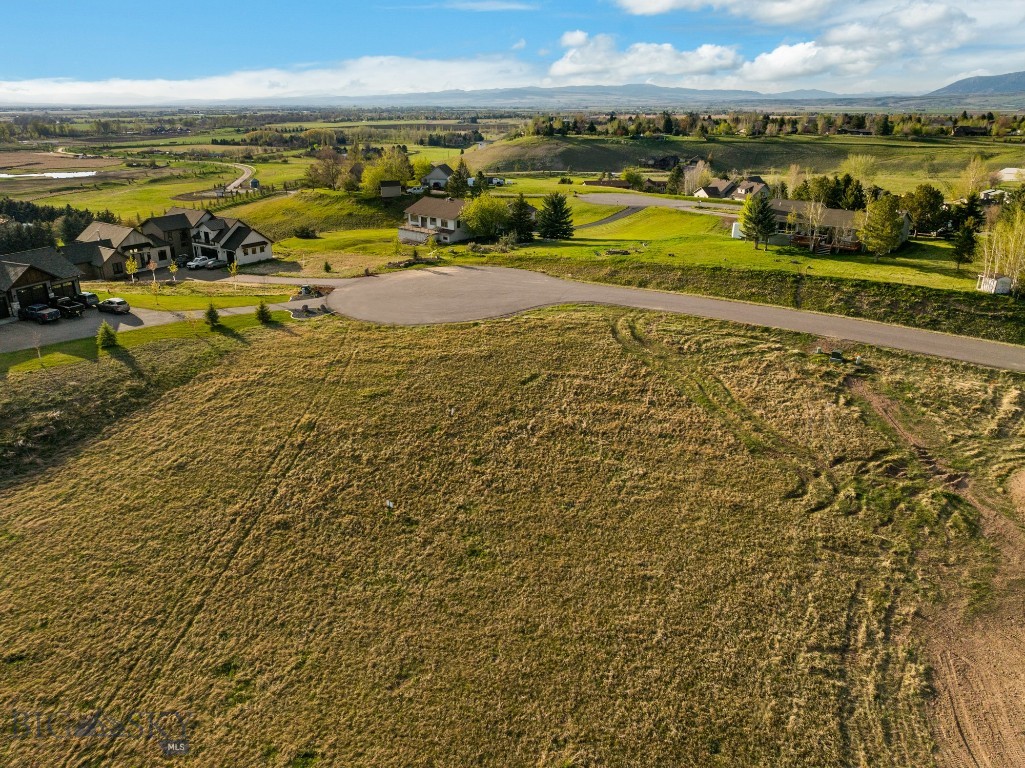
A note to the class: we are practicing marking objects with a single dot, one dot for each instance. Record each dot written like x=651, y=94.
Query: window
x=119, y=268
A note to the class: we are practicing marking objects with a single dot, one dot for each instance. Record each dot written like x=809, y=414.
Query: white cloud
x=520, y=44
x=596, y=60
x=367, y=76
x=771, y=11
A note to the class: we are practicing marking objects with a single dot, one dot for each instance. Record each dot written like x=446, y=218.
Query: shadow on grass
x=127, y=359
x=279, y=326
x=230, y=333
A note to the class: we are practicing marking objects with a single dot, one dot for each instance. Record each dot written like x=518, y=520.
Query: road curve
x=461, y=294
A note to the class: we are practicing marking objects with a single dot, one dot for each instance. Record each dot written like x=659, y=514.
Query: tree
x=883, y=226
x=131, y=267
x=968, y=211
x=212, y=316
x=393, y=165
x=972, y=179
x=634, y=178
x=459, y=182
x=676, y=181
x=854, y=198
x=106, y=336
x=480, y=184
x=860, y=167
x=757, y=220
x=555, y=220
x=521, y=219
x=73, y=224
x=486, y=216
x=326, y=171
x=964, y=245
x=263, y=314
x=421, y=167
x=925, y=207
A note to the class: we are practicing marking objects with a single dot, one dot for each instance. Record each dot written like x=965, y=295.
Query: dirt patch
x=978, y=714
x=41, y=162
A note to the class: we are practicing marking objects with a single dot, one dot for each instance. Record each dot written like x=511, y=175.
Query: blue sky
x=113, y=51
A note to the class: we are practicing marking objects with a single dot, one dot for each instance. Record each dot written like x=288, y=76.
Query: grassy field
x=190, y=294
x=321, y=209
x=902, y=164
x=617, y=539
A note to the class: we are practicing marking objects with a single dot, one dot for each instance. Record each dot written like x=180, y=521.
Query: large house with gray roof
x=102, y=250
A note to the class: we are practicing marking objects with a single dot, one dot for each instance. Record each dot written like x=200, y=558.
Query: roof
x=236, y=238
x=84, y=252
x=391, y=184
x=115, y=234
x=437, y=207
x=750, y=187
x=170, y=222
x=833, y=218
x=191, y=214
x=444, y=168
x=48, y=260
x=718, y=187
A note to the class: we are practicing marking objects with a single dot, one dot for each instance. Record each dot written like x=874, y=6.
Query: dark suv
x=67, y=307
x=86, y=298
x=40, y=313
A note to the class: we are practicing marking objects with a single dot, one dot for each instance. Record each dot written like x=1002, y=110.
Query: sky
x=114, y=52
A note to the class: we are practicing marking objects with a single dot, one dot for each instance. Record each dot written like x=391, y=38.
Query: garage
x=33, y=294
x=67, y=288
x=5, y=308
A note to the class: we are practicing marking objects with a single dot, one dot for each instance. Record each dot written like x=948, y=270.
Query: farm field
x=727, y=556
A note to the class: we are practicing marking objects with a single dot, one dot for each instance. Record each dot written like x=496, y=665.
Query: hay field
x=618, y=539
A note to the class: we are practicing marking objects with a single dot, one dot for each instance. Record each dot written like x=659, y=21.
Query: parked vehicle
x=67, y=307
x=114, y=305
x=216, y=263
x=416, y=190
x=87, y=298
x=199, y=262
x=40, y=313
x=181, y=261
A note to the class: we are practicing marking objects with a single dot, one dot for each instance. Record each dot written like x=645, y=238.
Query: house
x=438, y=177
x=175, y=228
x=102, y=250
x=230, y=240
x=434, y=217
x=992, y=196
x=752, y=187
x=34, y=277
x=995, y=284
x=716, y=189
x=656, y=186
x=834, y=230
x=391, y=189
x=662, y=163
x=970, y=130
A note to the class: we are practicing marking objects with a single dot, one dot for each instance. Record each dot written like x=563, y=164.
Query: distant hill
x=1012, y=83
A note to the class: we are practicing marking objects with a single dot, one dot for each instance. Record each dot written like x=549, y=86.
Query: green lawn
x=190, y=294
x=70, y=352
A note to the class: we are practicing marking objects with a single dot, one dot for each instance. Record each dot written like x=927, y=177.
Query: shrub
x=327, y=266
x=305, y=232
x=263, y=312
x=212, y=316
x=106, y=336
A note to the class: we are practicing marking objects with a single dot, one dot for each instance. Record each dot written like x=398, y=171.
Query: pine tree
x=106, y=336
x=212, y=316
x=521, y=219
x=883, y=227
x=964, y=244
x=263, y=314
x=757, y=220
x=459, y=182
x=676, y=181
x=555, y=221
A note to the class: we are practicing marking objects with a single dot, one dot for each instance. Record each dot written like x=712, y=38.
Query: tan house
x=438, y=177
x=102, y=250
x=175, y=228
x=753, y=187
x=434, y=217
x=717, y=189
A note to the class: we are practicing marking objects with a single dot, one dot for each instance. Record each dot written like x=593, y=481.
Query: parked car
x=181, y=261
x=67, y=307
x=86, y=298
x=115, y=305
x=40, y=313
x=216, y=263
x=199, y=262
x=416, y=190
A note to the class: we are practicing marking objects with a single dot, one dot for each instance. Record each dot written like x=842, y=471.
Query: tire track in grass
x=277, y=467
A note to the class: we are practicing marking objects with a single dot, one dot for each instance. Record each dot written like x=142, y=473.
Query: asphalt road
x=460, y=294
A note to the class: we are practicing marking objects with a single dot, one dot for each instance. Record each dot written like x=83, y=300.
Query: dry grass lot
x=637, y=540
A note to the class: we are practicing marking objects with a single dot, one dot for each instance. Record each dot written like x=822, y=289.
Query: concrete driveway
x=25, y=334
x=459, y=294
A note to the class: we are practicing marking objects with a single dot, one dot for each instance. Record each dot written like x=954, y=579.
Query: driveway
x=24, y=334
x=459, y=294
x=645, y=201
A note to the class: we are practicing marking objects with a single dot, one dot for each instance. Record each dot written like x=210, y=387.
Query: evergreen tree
x=521, y=219
x=854, y=198
x=676, y=181
x=555, y=220
x=964, y=244
x=925, y=207
x=263, y=314
x=757, y=220
x=212, y=316
x=883, y=226
x=106, y=336
x=459, y=182
x=480, y=184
